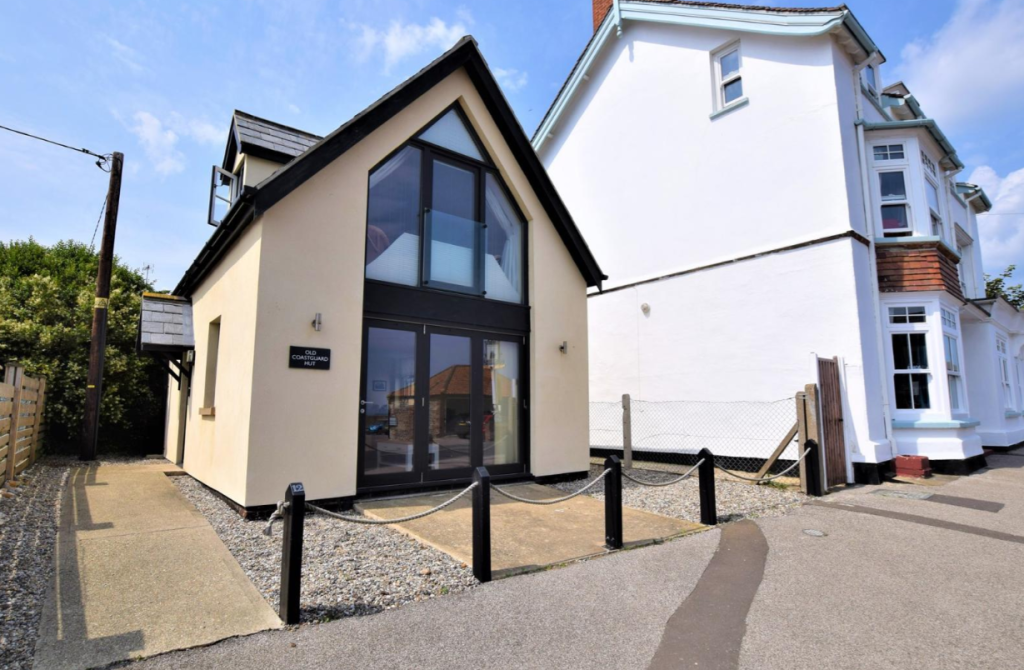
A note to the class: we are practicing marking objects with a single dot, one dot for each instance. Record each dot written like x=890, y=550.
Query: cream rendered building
x=386, y=307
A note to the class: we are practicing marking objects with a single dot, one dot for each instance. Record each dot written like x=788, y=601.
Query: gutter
x=869, y=221
x=928, y=124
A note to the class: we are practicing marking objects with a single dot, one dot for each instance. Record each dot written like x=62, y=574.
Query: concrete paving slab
x=524, y=537
x=139, y=572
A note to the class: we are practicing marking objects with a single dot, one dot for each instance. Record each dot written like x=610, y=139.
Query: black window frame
x=429, y=153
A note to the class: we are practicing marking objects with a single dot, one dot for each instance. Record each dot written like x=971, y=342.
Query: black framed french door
x=437, y=402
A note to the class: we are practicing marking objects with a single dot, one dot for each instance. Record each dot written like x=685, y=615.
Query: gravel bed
x=734, y=500
x=28, y=528
x=347, y=569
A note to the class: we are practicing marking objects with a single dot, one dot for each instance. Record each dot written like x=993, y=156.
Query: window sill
x=735, y=104
x=951, y=424
x=1010, y=414
x=208, y=411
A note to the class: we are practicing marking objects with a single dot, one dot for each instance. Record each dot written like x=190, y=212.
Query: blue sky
x=158, y=81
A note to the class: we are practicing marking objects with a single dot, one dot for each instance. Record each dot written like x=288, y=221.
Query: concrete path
x=840, y=589
x=524, y=537
x=139, y=571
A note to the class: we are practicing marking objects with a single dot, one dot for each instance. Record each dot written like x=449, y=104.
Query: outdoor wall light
x=317, y=322
x=564, y=347
x=646, y=309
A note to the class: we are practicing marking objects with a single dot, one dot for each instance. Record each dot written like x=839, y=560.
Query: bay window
x=893, y=190
x=439, y=217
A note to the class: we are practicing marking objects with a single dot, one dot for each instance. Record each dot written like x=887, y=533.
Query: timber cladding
x=22, y=400
x=918, y=268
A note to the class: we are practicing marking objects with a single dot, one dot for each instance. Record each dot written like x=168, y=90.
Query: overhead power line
x=102, y=162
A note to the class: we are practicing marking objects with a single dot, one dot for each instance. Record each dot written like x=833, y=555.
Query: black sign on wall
x=309, y=358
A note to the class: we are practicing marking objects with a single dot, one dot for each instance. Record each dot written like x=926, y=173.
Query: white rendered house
x=759, y=199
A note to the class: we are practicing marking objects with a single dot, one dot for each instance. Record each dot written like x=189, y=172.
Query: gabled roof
x=783, y=21
x=976, y=194
x=265, y=139
x=465, y=54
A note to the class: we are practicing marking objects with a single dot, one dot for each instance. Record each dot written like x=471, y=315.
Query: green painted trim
x=735, y=104
x=928, y=124
x=941, y=425
x=914, y=240
x=971, y=189
x=1010, y=414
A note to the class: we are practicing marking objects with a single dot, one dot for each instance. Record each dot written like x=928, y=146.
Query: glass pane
x=903, y=400
x=730, y=64
x=393, y=220
x=952, y=356
x=900, y=352
x=893, y=185
x=894, y=217
x=454, y=190
x=895, y=151
x=954, y=392
x=449, y=132
x=933, y=195
x=501, y=402
x=453, y=242
x=897, y=315
x=919, y=391
x=390, y=396
x=918, y=351
x=450, y=383
x=733, y=90
x=916, y=314
x=503, y=263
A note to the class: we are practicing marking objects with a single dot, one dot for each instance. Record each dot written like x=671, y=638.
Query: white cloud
x=293, y=108
x=1002, y=230
x=125, y=54
x=973, y=66
x=511, y=80
x=201, y=131
x=159, y=143
x=402, y=40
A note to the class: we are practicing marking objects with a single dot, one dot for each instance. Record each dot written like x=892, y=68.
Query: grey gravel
x=347, y=569
x=28, y=528
x=734, y=500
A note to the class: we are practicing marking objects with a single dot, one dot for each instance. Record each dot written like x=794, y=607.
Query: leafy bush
x=46, y=297
x=1000, y=286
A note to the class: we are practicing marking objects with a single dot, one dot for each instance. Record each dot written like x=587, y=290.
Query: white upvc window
x=1004, y=371
x=966, y=264
x=892, y=187
x=911, y=364
x=225, y=188
x=929, y=164
x=889, y=152
x=1017, y=362
x=953, y=374
x=727, y=64
x=932, y=193
x=948, y=319
x=868, y=77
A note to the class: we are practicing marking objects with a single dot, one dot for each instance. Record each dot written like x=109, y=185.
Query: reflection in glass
x=449, y=389
x=449, y=132
x=453, y=243
x=501, y=402
x=390, y=401
x=503, y=264
x=392, y=231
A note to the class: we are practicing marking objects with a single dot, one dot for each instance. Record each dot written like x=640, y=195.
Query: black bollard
x=812, y=469
x=706, y=474
x=613, y=503
x=291, y=556
x=482, y=525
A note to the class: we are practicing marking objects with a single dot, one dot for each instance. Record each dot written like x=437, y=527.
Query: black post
x=706, y=474
x=291, y=553
x=482, y=525
x=613, y=503
x=98, y=337
x=812, y=469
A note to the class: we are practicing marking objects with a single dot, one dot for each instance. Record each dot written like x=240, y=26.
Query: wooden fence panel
x=6, y=409
x=27, y=402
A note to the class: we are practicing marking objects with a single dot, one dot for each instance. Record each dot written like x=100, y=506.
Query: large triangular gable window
x=451, y=133
x=439, y=217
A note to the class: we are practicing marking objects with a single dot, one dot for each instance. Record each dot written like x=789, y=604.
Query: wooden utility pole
x=98, y=343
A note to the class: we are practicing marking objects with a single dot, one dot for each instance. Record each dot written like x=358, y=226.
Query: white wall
x=657, y=186
x=743, y=332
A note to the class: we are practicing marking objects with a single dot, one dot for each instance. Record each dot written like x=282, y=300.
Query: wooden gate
x=832, y=432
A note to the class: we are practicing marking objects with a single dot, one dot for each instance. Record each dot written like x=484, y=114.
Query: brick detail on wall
x=918, y=267
x=601, y=8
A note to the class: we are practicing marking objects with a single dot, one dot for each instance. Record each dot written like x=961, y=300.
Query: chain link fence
x=742, y=435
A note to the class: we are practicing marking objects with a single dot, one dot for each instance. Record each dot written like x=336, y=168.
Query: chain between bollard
x=384, y=522
x=554, y=500
x=668, y=483
x=761, y=480
x=277, y=514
